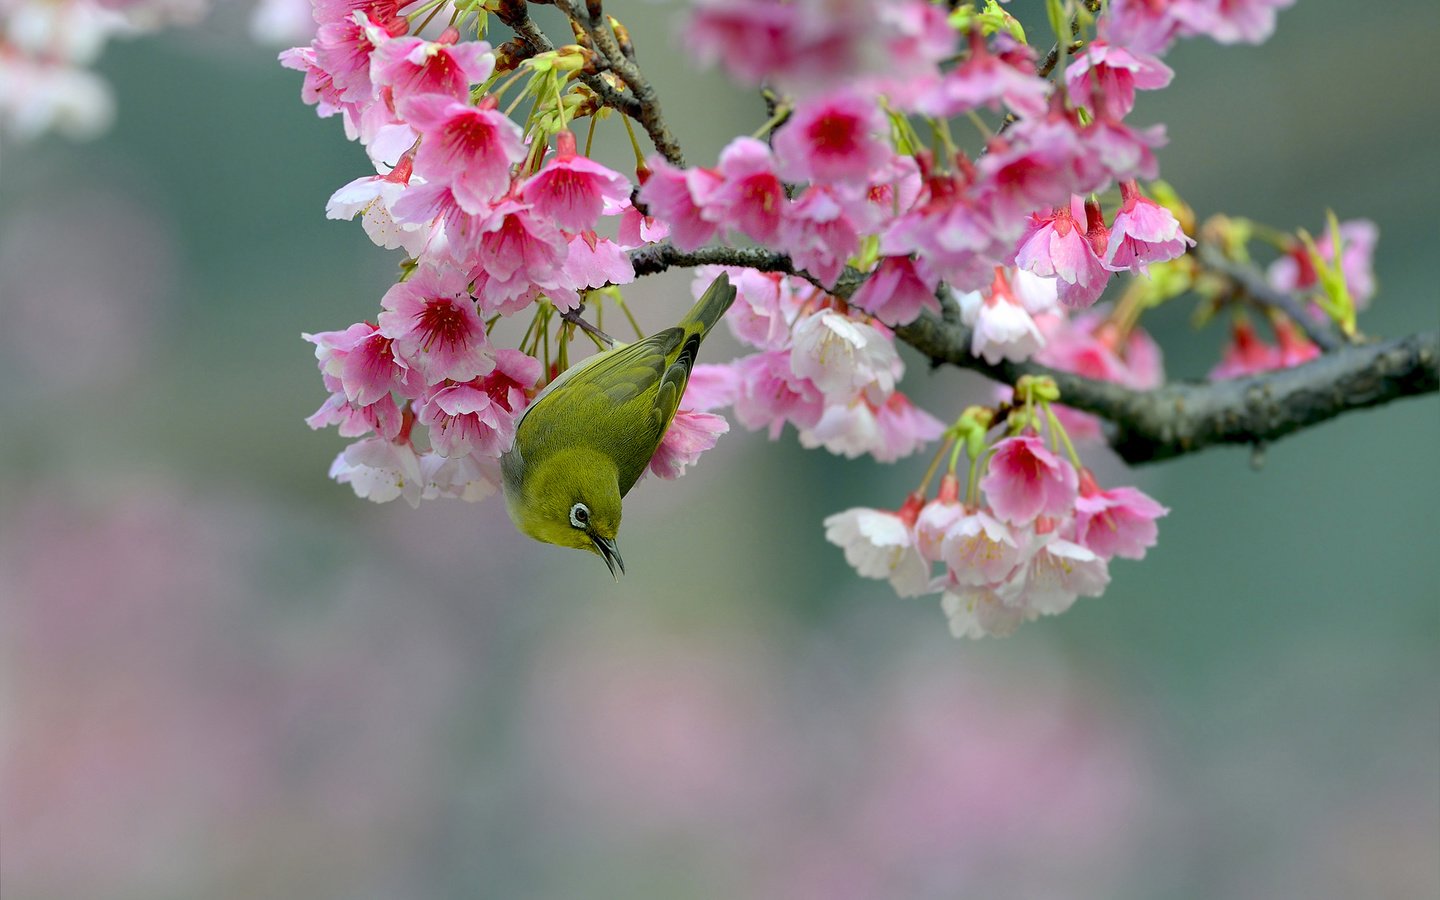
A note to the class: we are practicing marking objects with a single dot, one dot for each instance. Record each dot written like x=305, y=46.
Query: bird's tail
x=710, y=307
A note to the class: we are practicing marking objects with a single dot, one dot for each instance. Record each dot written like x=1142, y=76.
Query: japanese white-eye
x=587, y=437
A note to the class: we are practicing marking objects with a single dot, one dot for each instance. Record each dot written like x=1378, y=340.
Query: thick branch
x=1172, y=420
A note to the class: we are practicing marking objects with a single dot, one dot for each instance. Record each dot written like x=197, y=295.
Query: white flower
x=879, y=544
x=977, y=612
x=470, y=477
x=1052, y=573
x=841, y=355
x=1001, y=328
x=372, y=197
x=380, y=471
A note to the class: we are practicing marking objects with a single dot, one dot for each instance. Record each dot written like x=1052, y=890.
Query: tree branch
x=647, y=103
x=1174, y=419
x=1254, y=284
x=517, y=17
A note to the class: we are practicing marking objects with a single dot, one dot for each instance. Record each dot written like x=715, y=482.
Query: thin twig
x=1249, y=280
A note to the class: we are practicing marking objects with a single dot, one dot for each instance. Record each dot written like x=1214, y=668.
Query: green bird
x=587, y=437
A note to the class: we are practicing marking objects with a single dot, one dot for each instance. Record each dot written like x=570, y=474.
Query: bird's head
x=572, y=499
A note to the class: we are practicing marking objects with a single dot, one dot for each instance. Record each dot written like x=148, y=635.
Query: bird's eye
x=580, y=516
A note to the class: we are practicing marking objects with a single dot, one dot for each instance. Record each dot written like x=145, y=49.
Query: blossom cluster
x=1032, y=531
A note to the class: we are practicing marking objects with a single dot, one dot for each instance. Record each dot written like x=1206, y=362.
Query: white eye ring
x=580, y=516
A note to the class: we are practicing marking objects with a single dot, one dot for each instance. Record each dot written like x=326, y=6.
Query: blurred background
x=222, y=675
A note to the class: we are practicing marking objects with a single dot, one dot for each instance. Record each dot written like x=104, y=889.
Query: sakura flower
x=881, y=544
x=372, y=198
x=470, y=478
x=904, y=428
x=363, y=361
x=593, y=262
x=978, y=611
x=343, y=47
x=453, y=233
x=433, y=322
x=380, y=470
x=1295, y=271
x=820, y=233
x=1052, y=574
x=1229, y=21
x=1036, y=293
x=1114, y=151
x=677, y=197
x=771, y=394
x=896, y=292
x=478, y=416
x=637, y=229
x=979, y=549
x=833, y=138
x=411, y=66
x=1090, y=345
x=1117, y=522
x=1054, y=245
x=887, y=430
x=989, y=79
x=798, y=44
x=840, y=355
x=1036, y=165
x=711, y=386
x=1246, y=354
x=1025, y=480
x=516, y=241
x=749, y=196
x=1103, y=78
x=765, y=305
x=468, y=148
x=690, y=434
x=1143, y=232
x=571, y=190
x=937, y=517
x=382, y=417
x=1000, y=326
x=1144, y=26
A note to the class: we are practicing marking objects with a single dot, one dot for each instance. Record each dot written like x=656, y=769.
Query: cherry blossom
x=436, y=331
x=1025, y=480
x=896, y=292
x=1143, y=232
x=468, y=148
x=881, y=544
x=832, y=138
x=749, y=197
x=690, y=434
x=411, y=66
x=572, y=190
x=1001, y=328
x=1117, y=522
x=678, y=197
x=1103, y=78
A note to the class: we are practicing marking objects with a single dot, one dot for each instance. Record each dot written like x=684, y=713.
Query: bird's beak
x=611, y=555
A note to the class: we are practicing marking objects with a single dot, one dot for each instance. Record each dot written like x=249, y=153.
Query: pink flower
x=1117, y=522
x=593, y=262
x=637, y=229
x=749, y=197
x=412, y=66
x=457, y=237
x=432, y=320
x=1090, y=345
x=1054, y=245
x=372, y=198
x=572, y=190
x=896, y=292
x=689, y=435
x=711, y=386
x=771, y=394
x=514, y=241
x=937, y=518
x=800, y=43
x=1246, y=354
x=840, y=355
x=1143, y=232
x=833, y=138
x=478, y=417
x=1144, y=26
x=820, y=234
x=1295, y=271
x=1115, y=151
x=1052, y=574
x=881, y=544
x=888, y=430
x=1000, y=326
x=1025, y=480
x=468, y=148
x=382, y=417
x=343, y=47
x=1036, y=165
x=1229, y=21
x=765, y=305
x=988, y=79
x=380, y=470
x=677, y=197
x=364, y=361
x=1104, y=78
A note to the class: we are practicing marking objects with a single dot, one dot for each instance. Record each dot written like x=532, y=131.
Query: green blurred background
x=225, y=676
